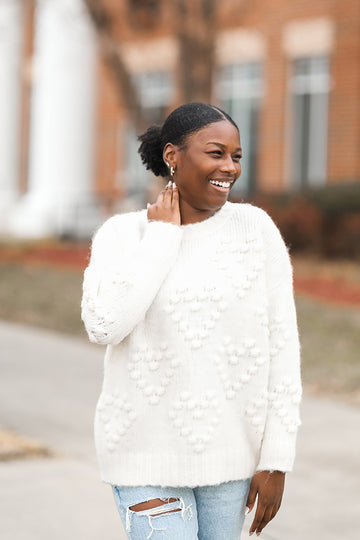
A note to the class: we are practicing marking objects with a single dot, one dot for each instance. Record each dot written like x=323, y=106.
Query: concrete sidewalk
x=48, y=389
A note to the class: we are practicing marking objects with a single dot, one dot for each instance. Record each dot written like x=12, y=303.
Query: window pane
x=310, y=87
x=318, y=138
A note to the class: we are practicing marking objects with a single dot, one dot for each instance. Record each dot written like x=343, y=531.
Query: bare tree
x=111, y=50
x=196, y=37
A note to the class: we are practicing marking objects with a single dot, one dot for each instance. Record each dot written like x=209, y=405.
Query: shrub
x=343, y=236
x=324, y=220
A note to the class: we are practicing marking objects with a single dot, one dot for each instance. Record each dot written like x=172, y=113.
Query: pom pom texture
x=202, y=366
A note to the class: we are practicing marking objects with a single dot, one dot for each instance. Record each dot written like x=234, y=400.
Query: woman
x=193, y=297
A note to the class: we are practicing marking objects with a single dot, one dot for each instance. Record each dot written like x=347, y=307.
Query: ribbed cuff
x=277, y=454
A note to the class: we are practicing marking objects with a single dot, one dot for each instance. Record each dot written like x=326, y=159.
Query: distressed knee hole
x=154, y=503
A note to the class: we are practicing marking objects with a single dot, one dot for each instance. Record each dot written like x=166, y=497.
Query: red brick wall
x=269, y=17
x=344, y=129
x=344, y=110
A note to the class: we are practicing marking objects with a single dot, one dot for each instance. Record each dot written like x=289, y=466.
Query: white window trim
x=150, y=55
x=239, y=46
x=310, y=37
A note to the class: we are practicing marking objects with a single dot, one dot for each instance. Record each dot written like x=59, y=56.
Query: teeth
x=221, y=184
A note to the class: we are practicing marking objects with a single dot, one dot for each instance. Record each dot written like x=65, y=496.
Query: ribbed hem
x=177, y=470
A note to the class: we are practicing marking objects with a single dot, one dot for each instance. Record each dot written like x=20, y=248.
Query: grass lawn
x=49, y=297
x=330, y=340
x=41, y=296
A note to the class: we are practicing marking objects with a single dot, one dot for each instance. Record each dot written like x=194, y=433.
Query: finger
x=251, y=497
x=175, y=194
x=166, y=190
x=268, y=515
x=160, y=196
x=168, y=195
x=260, y=511
x=162, y=192
x=275, y=510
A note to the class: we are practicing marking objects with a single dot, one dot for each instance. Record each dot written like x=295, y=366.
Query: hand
x=166, y=208
x=268, y=487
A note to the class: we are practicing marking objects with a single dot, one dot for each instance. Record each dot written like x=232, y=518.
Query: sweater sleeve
x=284, y=384
x=124, y=275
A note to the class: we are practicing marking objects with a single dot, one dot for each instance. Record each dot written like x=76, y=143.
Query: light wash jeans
x=206, y=512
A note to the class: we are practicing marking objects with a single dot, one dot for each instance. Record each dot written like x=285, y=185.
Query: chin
x=213, y=206
x=219, y=201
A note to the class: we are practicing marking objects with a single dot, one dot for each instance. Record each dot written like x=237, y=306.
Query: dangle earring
x=171, y=170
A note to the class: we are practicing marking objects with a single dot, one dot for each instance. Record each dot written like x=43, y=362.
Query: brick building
x=288, y=72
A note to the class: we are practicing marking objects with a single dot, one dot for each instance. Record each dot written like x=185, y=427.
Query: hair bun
x=151, y=150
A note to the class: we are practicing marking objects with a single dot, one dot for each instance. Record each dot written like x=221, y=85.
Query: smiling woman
x=207, y=166
x=201, y=145
x=200, y=403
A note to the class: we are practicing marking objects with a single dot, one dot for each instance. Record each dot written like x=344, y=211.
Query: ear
x=169, y=154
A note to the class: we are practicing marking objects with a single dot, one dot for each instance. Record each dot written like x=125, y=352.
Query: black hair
x=180, y=123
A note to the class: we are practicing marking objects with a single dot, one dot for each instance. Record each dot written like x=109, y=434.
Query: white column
x=10, y=92
x=62, y=132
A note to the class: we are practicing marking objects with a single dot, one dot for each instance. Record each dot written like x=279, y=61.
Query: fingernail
x=169, y=183
x=247, y=510
x=251, y=533
x=174, y=185
x=257, y=534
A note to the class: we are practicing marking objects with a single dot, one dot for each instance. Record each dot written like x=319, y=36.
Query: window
x=240, y=94
x=309, y=87
x=155, y=93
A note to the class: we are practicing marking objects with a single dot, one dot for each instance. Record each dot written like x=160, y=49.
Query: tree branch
x=110, y=49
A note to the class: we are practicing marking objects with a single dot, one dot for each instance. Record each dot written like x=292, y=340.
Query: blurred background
x=81, y=79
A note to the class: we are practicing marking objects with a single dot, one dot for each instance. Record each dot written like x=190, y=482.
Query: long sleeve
x=284, y=387
x=125, y=274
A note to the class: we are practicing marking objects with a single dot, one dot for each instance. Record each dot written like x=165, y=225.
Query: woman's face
x=211, y=156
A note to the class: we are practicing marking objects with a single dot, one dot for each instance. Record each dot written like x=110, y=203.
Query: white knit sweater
x=202, y=379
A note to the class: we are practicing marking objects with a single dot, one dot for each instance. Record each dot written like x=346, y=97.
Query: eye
x=215, y=153
x=237, y=158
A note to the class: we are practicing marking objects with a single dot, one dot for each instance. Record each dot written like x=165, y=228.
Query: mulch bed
x=65, y=256
x=334, y=291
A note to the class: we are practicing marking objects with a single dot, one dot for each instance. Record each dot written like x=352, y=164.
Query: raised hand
x=166, y=208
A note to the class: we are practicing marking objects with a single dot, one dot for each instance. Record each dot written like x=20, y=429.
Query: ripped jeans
x=203, y=513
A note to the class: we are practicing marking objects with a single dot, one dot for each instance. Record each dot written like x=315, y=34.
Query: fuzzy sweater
x=202, y=371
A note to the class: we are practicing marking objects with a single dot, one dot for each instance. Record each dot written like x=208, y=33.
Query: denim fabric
x=206, y=512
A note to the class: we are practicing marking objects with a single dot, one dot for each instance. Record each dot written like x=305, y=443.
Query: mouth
x=222, y=185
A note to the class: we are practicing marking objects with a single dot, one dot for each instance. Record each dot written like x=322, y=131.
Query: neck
x=189, y=214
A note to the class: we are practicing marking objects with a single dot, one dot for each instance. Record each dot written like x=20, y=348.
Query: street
x=48, y=390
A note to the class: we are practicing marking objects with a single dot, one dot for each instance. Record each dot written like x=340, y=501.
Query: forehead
x=222, y=132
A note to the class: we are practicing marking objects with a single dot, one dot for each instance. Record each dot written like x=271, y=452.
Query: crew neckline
x=199, y=228
x=210, y=223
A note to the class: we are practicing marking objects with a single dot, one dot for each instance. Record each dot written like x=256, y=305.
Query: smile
x=225, y=184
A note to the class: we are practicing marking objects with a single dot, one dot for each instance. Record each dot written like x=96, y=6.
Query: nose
x=228, y=165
